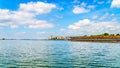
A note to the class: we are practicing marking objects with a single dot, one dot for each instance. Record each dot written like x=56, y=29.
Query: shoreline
x=96, y=40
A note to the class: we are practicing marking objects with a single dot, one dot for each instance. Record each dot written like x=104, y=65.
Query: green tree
x=117, y=34
x=112, y=34
x=106, y=34
x=3, y=38
x=85, y=35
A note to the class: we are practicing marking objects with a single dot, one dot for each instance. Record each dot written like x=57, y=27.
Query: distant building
x=58, y=37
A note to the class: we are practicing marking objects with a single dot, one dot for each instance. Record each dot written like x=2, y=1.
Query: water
x=58, y=54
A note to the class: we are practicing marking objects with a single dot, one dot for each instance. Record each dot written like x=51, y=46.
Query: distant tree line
x=101, y=36
x=2, y=39
x=107, y=34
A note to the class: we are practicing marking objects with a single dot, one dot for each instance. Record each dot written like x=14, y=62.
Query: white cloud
x=26, y=15
x=79, y=24
x=4, y=14
x=90, y=27
x=94, y=16
x=76, y=1
x=59, y=16
x=60, y=8
x=115, y=4
x=83, y=4
x=41, y=24
x=80, y=10
x=62, y=29
x=112, y=14
x=37, y=7
x=106, y=15
x=14, y=26
x=91, y=6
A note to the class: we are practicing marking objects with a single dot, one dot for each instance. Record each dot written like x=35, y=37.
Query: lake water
x=58, y=54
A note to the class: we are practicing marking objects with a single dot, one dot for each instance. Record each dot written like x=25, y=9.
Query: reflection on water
x=47, y=54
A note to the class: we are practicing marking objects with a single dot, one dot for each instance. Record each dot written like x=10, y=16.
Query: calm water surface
x=58, y=54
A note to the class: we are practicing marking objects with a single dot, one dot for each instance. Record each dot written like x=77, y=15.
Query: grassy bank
x=97, y=38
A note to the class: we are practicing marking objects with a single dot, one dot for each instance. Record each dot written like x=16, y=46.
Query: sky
x=36, y=19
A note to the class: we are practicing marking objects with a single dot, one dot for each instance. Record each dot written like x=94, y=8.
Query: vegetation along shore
x=106, y=37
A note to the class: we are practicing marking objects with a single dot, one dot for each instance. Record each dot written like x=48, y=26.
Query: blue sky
x=42, y=18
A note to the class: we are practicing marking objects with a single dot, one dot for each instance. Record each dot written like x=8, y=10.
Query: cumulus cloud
x=88, y=26
x=26, y=15
x=115, y=4
x=80, y=10
x=41, y=24
x=37, y=7
x=79, y=24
